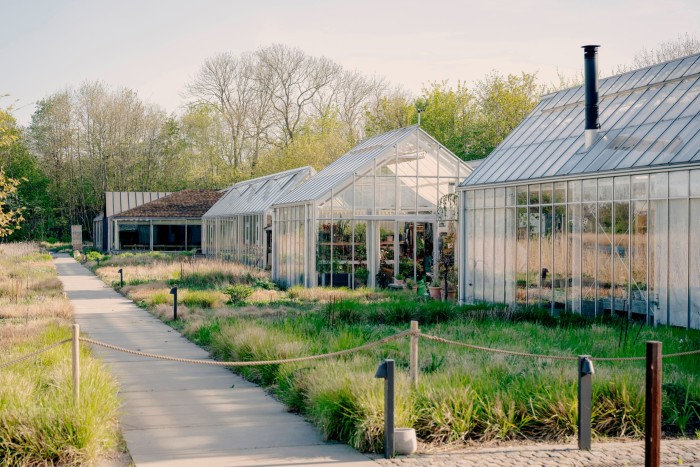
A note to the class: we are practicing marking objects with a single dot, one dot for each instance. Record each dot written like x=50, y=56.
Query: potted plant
x=361, y=276
x=398, y=279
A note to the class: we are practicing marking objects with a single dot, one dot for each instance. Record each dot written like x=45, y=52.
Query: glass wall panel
x=521, y=255
x=387, y=242
x=638, y=258
x=479, y=254
x=488, y=269
x=658, y=259
x=546, y=249
x=559, y=257
x=575, y=249
x=694, y=262
x=678, y=258
x=621, y=256
x=589, y=259
x=499, y=250
x=510, y=247
x=360, y=267
x=604, y=251
x=534, y=268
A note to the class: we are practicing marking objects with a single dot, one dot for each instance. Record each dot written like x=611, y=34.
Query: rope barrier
x=254, y=363
x=550, y=357
x=34, y=354
x=500, y=351
x=341, y=352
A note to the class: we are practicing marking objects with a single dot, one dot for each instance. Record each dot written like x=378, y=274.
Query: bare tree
x=293, y=80
x=684, y=44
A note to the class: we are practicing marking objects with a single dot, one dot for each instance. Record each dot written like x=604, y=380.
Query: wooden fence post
x=414, y=354
x=76, y=363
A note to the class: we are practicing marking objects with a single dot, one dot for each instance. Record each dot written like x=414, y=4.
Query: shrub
x=238, y=293
x=201, y=298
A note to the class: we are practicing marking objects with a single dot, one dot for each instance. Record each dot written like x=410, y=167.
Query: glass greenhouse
x=387, y=208
x=238, y=226
x=603, y=227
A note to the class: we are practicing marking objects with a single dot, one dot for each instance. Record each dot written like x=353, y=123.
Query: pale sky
x=155, y=46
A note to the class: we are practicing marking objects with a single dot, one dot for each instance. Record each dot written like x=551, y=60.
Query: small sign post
x=76, y=235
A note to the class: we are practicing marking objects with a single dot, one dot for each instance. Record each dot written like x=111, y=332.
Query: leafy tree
x=390, y=112
x=501, y=104
x=10, y=209
x=448, y=114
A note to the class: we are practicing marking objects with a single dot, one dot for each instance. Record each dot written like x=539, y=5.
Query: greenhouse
x=385, y=210
x=594, y=218
x=170, y=223
x=238, y=226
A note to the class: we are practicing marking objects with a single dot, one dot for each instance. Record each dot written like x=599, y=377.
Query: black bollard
x=173, y=291
x=386, y=372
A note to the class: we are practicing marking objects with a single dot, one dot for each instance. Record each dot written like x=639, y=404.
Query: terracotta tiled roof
x=184, y=204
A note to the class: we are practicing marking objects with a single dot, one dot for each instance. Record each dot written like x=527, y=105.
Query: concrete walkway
x=178, y=414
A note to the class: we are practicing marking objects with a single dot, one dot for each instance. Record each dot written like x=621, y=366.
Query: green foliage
x=201, y=298
x=39, y=424
x=238, y=293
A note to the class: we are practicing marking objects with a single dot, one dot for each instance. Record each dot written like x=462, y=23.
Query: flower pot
x=405, y=442
x=435, y=292
x=452, y=294
x=399, y=282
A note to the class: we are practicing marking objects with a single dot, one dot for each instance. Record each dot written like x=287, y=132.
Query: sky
x=155, y=47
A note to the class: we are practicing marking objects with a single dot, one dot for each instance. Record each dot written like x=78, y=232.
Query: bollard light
x=587, y=367
x=385, y=371
x=121, y=278
x=173, y=292
x=585, y=405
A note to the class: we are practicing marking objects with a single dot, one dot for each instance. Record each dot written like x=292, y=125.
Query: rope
x=34, y=354
x=488, y=349
x=620, y=359
x=256, y=363
x=550, y=357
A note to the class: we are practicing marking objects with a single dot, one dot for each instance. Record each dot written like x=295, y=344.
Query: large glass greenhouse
x=387, y=208
x=599, y=220
x=238, y=226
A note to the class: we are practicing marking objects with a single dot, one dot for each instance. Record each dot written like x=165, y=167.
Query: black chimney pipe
x=590, y=61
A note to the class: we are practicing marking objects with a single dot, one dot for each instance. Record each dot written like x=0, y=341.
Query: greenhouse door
x=400, y=248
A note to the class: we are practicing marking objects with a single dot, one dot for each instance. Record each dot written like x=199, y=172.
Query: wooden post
x=414, y=354
x=652, y=429
x=76, y=363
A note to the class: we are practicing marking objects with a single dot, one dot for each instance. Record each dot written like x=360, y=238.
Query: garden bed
x=462, y=395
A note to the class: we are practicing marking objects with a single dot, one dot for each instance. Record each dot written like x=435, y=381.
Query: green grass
x=470, y=395
x=462, y=394
x=39, y=423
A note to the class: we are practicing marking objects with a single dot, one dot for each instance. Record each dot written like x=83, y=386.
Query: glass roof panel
x=606, y=83
x=694, y=68
x=634, y=79
x=692, y=139
x=656, y=133
x=622, y=80
x=665, y=72
x=638, y=114
x=644, y=98
x=683, y=67
x=655, y=101
x=649, y=75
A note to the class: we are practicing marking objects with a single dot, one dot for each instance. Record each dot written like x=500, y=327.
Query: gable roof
x=360, y=158
x=182, y=204
x=258, y=194
x=649, y=118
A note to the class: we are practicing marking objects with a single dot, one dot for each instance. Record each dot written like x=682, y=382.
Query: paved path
x=177, y=414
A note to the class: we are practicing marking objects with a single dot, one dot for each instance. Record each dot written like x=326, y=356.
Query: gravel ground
x=673, y=452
